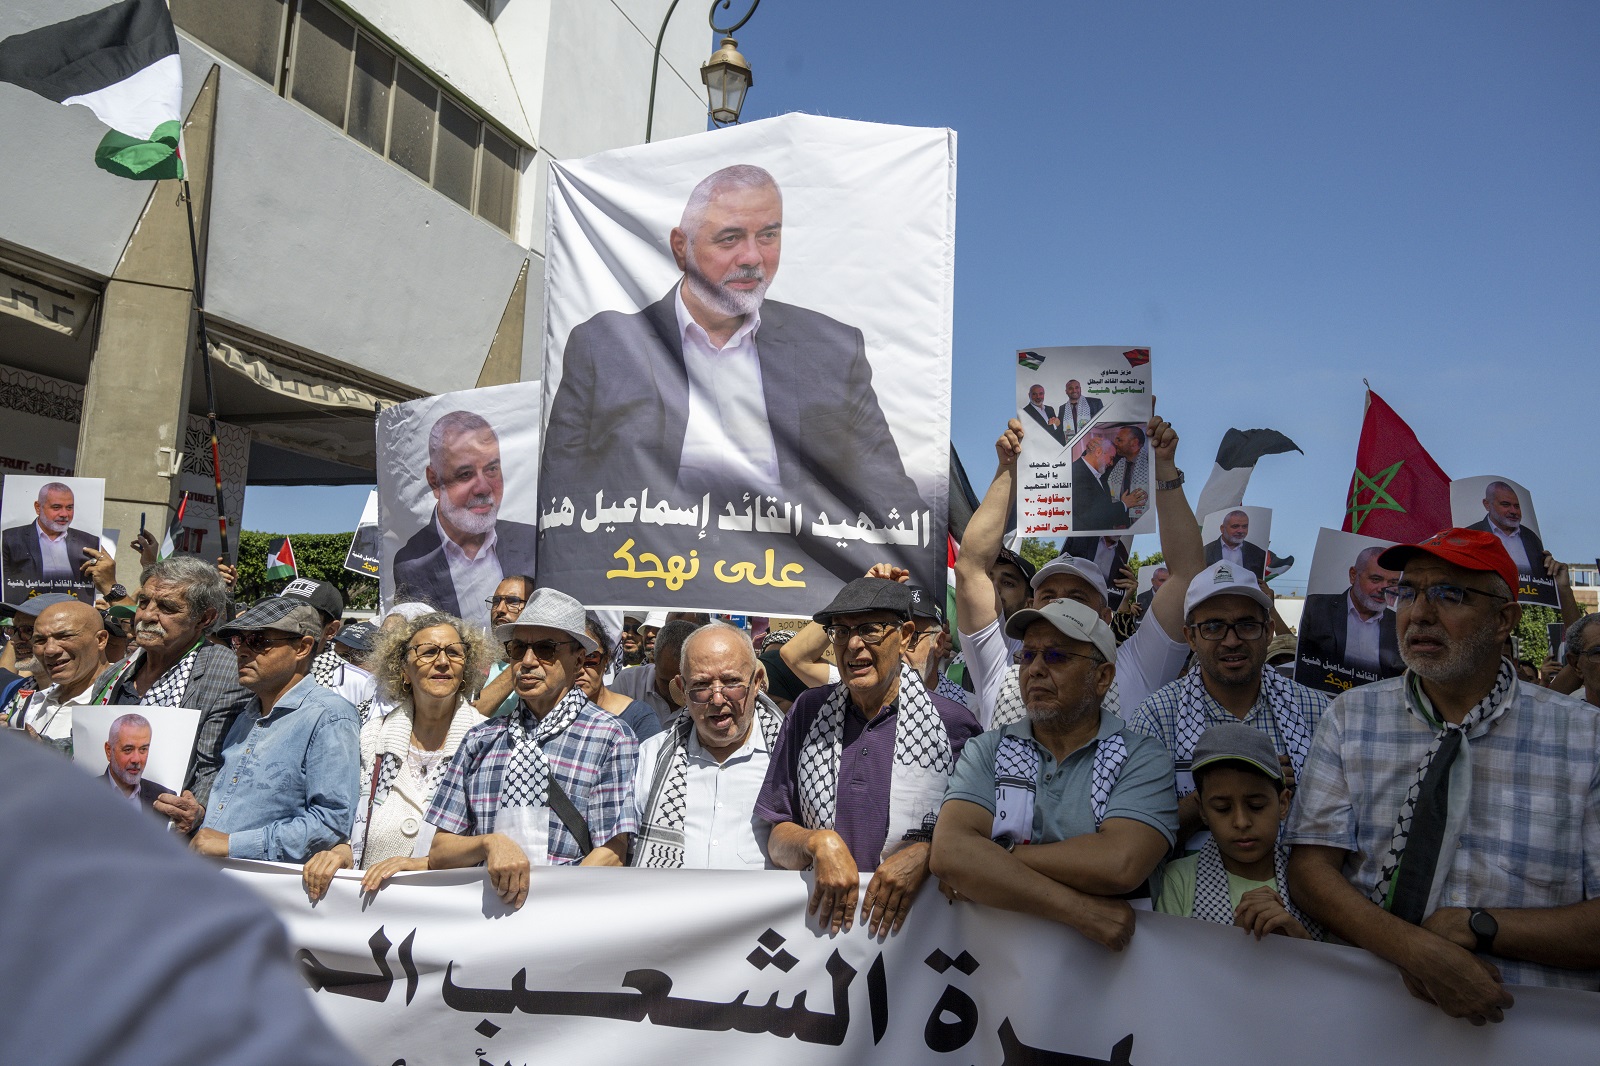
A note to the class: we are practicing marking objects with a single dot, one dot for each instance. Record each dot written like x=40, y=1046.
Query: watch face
x=1483, y=924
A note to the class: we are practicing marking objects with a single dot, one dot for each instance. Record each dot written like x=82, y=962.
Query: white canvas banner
x=709, y=967
x=722, y=434
x=458, y=482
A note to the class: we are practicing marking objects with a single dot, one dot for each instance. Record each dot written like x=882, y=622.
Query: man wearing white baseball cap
x=514, y=791
x=1067, y=813
x=1228, y=622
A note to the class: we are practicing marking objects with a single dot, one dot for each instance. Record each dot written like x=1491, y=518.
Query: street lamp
x=726, y=75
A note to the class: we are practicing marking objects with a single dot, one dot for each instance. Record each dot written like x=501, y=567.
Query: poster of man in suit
x=1347, y=631
x=1500, y=506
x=734, y=421
x=49, y=528
x=1086, y=466
x=1238, y=535
x=458, y=496
x=132, y=750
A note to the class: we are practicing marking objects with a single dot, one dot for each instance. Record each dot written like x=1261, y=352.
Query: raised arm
x=976, y=601
x=1181, y=547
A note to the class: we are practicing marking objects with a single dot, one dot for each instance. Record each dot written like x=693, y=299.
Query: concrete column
x=136, y=402
x=503, y=364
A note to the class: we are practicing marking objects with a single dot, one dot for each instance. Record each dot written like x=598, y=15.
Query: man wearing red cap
x=1448, y=820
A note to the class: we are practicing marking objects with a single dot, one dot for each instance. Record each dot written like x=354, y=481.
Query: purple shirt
x=866, y=756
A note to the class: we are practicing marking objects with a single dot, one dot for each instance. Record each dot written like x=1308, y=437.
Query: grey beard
x=464, y=520
x=1460, y=660
x=726, y=301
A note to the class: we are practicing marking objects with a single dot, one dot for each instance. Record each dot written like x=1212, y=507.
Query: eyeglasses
x=704, y=692
x=427, y=653
x=1245, y=628
x=1403, y=595
x=545, y=650
x=1052, y=656
x=869, y=632
x=256, y=643
x=510, y=601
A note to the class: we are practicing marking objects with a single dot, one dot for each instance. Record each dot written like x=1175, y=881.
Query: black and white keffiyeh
x=1016, y=783
x=325, y=667
x=527, y=779
x=1009, y=708
x=1453, y=737
x=921, y=768
x=660, y=843
x=1212, y=903
x=169, y=687
x=1278, y=692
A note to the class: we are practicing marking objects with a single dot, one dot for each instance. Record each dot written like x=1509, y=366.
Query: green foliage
x=1531, y=632
x=1038, y=551
x=317, y=555
x=1136, y=560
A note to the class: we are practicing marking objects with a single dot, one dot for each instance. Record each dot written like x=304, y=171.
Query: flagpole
x=205, y=364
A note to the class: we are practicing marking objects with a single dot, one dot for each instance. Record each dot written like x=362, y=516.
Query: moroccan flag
x=1398, y=493
x=280, y=559
x=121, y=62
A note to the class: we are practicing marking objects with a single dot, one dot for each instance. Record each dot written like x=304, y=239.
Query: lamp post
x=726, y=74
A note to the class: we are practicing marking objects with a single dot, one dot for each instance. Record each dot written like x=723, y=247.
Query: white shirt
x=1105, y=556
x=53, y=553
x=727, y=438
x=475, y=578
x=1361, y=637
x=721, y=830
x=354, y=684
x=44, y=711
x=639, y=683
x=1233, y=555
x=1513, y=543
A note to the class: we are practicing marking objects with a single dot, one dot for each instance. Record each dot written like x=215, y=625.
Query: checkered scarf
x=1016, y=783
x=920, y=770
x=169, y=687
x=1478, y=720
x=1212, y=902
x=1277, y=690
x=527, y=780
x=1008, y=705
x=660, y=844
x=325, y=667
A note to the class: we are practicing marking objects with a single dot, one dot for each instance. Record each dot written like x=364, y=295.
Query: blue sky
x=1280, y=199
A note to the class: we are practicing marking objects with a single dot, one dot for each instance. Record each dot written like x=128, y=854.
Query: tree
x=317, y=555
x=1532, y=636
x=1038, y=551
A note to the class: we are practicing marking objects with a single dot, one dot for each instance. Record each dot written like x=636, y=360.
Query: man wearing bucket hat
x=290, y=761
x=1451, y=816
x=1228, y=621
x=859, y=768
x=550, y=783
x=1064, y=812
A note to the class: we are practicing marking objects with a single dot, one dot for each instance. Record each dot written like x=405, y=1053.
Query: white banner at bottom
x=708, y=967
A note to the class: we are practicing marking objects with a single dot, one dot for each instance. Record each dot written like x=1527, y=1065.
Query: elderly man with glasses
x=697, y=782
x=289, y=779
x=1448, y=820
x=550, y=783
x=859, y=768
x=1228, y=621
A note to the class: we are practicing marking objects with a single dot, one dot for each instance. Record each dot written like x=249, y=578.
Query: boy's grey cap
x=867, y=594
x=1237, y=742
x=286, y=614
x=552, y=608
x=1076, y=620
x=34, y=605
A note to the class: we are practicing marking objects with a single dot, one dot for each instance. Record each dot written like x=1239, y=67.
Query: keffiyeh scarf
x=660, y=844
x=918, y=775
x=169, y=687
x=527, y=779
x=1276, y=690
x=1016, y=783
x=1212, y=902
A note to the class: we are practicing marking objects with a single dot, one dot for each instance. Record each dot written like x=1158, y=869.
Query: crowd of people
x=1086, y=753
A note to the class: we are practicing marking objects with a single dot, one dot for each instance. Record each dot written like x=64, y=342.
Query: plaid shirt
x=594, y=759
x=1532, y=833
x=1158, y=716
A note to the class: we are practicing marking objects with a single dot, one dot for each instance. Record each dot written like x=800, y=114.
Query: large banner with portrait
x=458, y=478
x=720, y=967
x=1347, y=632
x=1500, y=506
x=1086, y=468
x=722, y=434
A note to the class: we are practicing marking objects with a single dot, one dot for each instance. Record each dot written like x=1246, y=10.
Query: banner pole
x=205, y=364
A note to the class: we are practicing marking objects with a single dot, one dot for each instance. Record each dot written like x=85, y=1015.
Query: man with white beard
x=455, y=562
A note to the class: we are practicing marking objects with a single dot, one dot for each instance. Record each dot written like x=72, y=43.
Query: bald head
x=76, y=613
x=69, y=640
x=717, y=638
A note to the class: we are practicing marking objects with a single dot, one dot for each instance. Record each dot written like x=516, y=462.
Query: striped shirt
x=1159, y=716
x=594, y=760
x=1532, y=832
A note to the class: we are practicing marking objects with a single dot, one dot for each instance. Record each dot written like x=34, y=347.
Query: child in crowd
x=1238, y=877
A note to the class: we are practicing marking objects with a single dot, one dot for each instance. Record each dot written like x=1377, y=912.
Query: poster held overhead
x=46, y=526
x=363, y=554
x=722, y=435
x=1238, y=535
x=1347, y=632
x=1500, y=506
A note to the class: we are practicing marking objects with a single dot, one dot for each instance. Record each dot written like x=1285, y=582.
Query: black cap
x=1008, y=556
x=358, y=636
x=867, y=594
x=327, y=599
x=923, y=604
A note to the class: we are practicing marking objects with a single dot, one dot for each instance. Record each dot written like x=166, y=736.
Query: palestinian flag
x=280, y=559
x=169, y=543
x=1237, y=456
x=121, y=62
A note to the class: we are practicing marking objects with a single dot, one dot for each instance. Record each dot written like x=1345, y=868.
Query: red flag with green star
x=1398, y=493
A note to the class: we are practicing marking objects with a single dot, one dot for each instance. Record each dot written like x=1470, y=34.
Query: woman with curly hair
x=427, y=667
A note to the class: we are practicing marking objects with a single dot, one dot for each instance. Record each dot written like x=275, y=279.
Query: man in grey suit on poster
x=47, y=554
x=1503, y=518
x=1231, y=545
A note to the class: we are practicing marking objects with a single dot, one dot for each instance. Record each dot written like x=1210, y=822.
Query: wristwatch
x=1163, y=486
x=116, y=592
x=1485, y=928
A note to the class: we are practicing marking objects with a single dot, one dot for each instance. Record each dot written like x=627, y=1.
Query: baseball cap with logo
x=1076, y=620
x=1071, y=564
x=1470, y=549
x=327, y=599
x=923, y=605
x=1224, y=579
